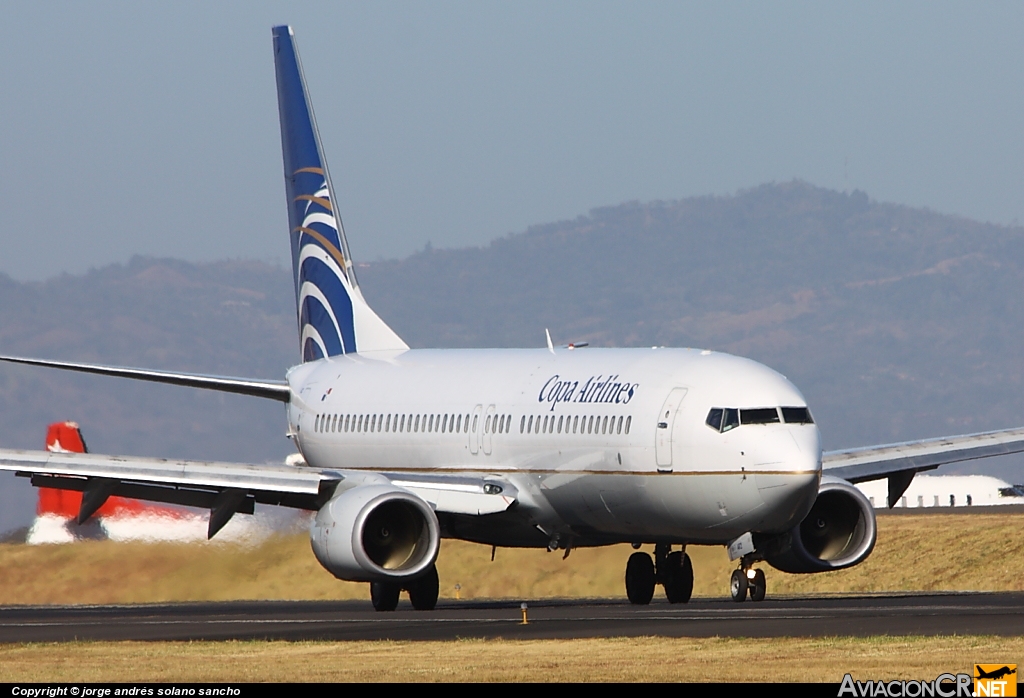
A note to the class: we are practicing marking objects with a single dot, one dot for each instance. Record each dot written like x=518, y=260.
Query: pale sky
x=134, y=128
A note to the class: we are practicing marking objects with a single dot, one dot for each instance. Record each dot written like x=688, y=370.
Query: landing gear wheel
x=423, y=591
x=758, y=586
x=738, y=586
x=384, y=595
x=640, y=579
x=678, y=577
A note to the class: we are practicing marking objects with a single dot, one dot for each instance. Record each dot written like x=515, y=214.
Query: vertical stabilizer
x=333, y=317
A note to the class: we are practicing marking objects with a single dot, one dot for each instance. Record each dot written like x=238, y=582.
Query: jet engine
x=838, y=532
x=376, y=533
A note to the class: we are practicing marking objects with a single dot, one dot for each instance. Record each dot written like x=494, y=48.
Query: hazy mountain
x=897, y=323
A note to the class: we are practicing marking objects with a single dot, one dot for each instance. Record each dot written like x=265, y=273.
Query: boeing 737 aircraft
x=556, y=447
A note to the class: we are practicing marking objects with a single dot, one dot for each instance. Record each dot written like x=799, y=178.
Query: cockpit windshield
x=725, y=418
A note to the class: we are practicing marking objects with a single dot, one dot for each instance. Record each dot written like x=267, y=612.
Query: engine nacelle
x=838, y=532
x=374, y=533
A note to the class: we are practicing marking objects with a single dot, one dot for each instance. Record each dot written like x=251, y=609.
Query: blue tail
x=333, y=317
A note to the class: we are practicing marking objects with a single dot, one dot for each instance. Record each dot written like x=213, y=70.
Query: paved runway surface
x=932, y=614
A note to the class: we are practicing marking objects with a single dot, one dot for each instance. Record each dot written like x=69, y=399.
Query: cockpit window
x=731, y=419
x=725, y=418
x=715, y=418
x=797, y=415
x=1015, y=491
x=760, y=415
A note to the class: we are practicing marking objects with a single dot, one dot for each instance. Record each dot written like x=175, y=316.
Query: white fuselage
x=603, y=445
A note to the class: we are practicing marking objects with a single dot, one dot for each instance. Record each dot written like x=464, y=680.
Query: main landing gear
x=673, y=570
x=747, y=580
x=423, y=592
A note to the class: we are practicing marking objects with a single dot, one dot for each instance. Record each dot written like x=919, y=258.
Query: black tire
x=758, y=586
x=424, y=590
x=678, y=577
x=640, y=579
x=738, y=586
x=384, y=595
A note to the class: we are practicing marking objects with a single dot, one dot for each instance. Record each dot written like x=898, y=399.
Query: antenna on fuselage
x=551, y=347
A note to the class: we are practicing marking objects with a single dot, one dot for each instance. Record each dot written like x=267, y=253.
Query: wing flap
x=877, y=462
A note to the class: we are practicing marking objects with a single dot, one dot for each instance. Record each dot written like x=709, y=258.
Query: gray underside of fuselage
x=586, y=509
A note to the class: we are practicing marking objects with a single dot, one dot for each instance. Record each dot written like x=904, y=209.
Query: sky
x=143, y=128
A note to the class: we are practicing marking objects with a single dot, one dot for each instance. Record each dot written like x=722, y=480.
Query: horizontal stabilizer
x=272, y=390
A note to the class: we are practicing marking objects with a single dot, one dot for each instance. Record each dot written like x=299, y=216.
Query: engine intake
x=838, y=532
x=373, y=533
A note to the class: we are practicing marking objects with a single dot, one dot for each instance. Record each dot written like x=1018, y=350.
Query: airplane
x=945, y=491
x=551, y=448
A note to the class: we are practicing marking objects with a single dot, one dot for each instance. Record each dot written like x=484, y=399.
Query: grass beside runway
x=978, y=552
x=614, y=659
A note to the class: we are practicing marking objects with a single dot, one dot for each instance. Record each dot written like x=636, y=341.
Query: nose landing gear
x=747, y=580
x=673, y=570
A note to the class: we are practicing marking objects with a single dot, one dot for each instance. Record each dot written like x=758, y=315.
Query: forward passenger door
x=665, y=428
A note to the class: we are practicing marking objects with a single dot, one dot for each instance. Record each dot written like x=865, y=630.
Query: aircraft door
x=474, y=429
x=665, y=428
x=488, y=429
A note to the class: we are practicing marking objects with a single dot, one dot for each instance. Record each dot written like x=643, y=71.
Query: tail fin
x=66, y=437
x=61, y=437
x=333, y=317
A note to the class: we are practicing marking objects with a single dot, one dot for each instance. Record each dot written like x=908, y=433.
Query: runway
x=914, y=614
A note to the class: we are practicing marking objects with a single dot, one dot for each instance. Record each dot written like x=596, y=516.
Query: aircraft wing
x=230, y=488
x=900, y=462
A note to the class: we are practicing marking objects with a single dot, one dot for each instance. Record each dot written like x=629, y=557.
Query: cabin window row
x=411, y=423
x=725, y=418
x=574, y=424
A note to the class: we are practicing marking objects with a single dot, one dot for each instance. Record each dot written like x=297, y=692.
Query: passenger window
x=604, y=425
x=529, y=426
x=619, y=428
x=560, y=424
x=575, y=423
x=522, y=424
x=761, y=415
x=797, y=415
x=730, y=419
x=465, y=424
x=476, y=419
x=487, y=425
x=458, y=424
x=334, y=421
x=714, y=419
x=628, y=420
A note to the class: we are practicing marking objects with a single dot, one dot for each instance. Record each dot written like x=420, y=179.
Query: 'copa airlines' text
x=597, y=389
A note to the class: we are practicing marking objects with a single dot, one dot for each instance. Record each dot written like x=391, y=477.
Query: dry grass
x=979, y=552
x=615, y=659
